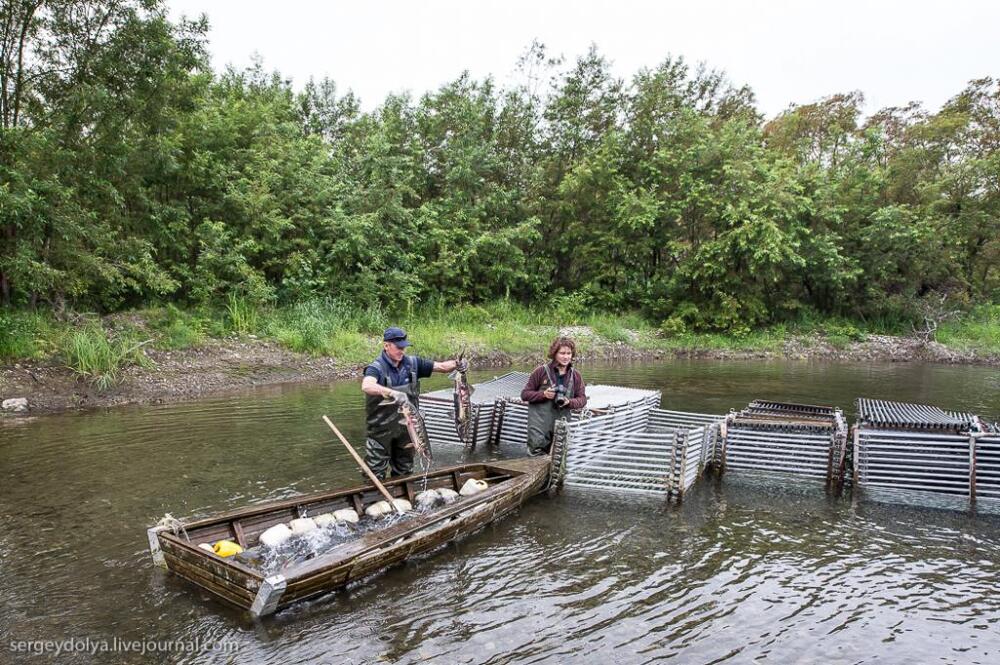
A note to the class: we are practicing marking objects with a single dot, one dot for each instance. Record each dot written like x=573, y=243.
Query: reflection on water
x=738, y=572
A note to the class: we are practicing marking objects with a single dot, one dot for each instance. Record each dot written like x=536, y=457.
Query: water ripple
x=737, y=573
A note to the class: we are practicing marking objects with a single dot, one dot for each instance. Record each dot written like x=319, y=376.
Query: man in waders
x=552, y=391
x=390, y=380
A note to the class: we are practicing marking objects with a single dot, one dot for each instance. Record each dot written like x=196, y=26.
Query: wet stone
x=15, y=405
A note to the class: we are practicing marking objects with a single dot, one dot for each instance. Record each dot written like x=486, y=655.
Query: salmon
x=413, y=420
x=463, y=408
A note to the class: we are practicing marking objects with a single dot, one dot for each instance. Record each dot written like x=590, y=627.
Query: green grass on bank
x=979, y=332
x=25, y=335
x=100, y=349
x=94, y=351
x=101, y=358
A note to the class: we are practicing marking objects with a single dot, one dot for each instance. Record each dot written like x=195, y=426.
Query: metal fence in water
x=438, y=408
x=513, y=428
x=987, y=455
x=692, y=454
x=909, y=453
x=883, y=414
x=500, y=417
x=931, y=468
x=638, y=449
x=774, y=453
x=694, y=424
x=776, y=438
x=920, y=454
x=899, y=452
x=608, y=451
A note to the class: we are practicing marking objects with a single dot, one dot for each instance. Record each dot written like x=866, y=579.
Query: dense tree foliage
x=130, y=174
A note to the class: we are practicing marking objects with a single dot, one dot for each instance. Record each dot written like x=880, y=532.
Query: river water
x=739, y=572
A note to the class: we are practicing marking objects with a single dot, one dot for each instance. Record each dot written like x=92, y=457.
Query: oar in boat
x=364, y=467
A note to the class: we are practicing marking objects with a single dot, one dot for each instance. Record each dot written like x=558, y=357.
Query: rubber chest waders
x=386, y=436
x=542, y=416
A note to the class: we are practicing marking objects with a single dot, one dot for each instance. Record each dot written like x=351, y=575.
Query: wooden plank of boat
x=511, y=483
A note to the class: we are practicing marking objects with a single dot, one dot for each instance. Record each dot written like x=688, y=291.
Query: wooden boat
x=176, y=547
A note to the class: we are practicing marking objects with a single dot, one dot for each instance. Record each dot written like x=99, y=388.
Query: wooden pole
x=364, y=467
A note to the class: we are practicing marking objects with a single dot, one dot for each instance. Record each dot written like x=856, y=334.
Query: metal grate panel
x=438, y=408
x=988, y=469
x=500, y=418
x=635, y=450
x=941, y=469
x=875, y=413
x=938, y=463
x=777, y=438
x=506, y=385
x=790, y=409
x=614, y=452
x=692, y=452
x=439, y=418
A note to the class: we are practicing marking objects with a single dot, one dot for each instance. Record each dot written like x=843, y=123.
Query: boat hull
x=175, y=548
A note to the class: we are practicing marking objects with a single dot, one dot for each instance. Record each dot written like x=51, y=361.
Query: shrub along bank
x=98, y=349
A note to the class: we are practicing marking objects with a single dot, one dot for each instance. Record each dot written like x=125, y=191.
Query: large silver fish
x=413, y=420
x=462, y=395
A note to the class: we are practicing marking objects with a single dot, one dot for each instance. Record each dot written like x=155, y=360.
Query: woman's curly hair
x=559, y=343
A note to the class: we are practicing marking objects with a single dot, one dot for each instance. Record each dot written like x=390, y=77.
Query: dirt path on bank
x=227, y=366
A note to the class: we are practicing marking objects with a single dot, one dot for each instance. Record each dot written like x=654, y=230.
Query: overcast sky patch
x=788, y=52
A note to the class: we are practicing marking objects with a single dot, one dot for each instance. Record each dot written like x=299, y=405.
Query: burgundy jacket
x=539, y=381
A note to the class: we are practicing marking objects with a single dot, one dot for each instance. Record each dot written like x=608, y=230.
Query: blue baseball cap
x=397, y=336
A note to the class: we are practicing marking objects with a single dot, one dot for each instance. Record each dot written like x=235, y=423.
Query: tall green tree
x=85, y=85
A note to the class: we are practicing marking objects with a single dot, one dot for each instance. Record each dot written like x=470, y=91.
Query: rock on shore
x=15, y=405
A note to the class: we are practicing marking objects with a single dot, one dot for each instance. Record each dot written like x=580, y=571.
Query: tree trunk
x=6, y=46
x=19, y=78
x=8, y=244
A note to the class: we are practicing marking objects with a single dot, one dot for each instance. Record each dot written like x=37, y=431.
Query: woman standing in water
x=553, y=390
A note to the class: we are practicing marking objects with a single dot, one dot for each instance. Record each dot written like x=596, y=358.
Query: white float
x=276, y=535
x=473, y=486
x=302, y=525
x=378, y=509
x=347, y=515
x=325, y=520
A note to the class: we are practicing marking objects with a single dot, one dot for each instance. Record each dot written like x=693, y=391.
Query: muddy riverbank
x=231, y=365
